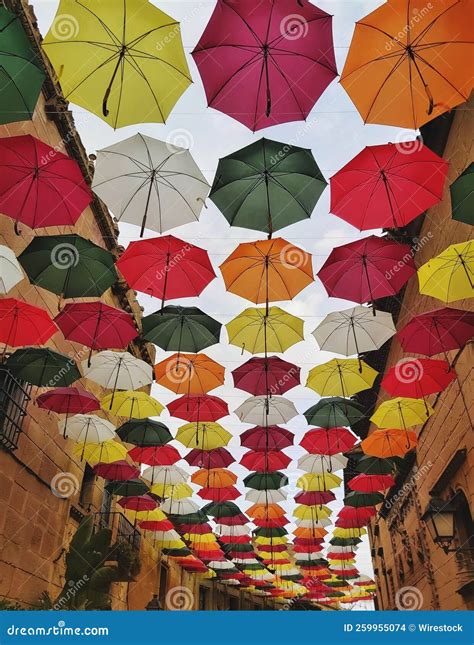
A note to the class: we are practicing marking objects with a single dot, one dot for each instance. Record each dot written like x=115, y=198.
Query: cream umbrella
x=265, y=496
x=179, y=506
x=117, y=371
x=263, y=410
x=87, y=428
x=322, y=463
x=10, y=270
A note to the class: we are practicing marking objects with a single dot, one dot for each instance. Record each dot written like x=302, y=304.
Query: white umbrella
x=232, y=582
x=166, y=536
x=150, y=183
x=87, y=428
x=166, y=475
x=223, y=529
x=265, y=496
x=245, y=561
x=322, y=463
x=179, y=506
x=342, y=549
x=10, y=270
x=221, y=564
x=312, y=524
x=354, y=331
x=262, y=410
x=314, y=555
x=118, y=371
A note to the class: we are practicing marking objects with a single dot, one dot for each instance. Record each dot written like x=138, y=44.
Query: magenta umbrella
x=437, y=332
x=270, y=376
x=266, y=62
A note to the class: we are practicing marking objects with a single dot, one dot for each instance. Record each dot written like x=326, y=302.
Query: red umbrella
x=155, y=455
x=224, y=494
x=357, y=514
x=388, y=186
x=268, y=62
x=367, y=269
x=199, y=529
x=155, y=525
x=216, y=458
x=418, y=377
x=271, y=438
x=236, y=520
x=371, y=483
x=276, y=548
x=271, y=523
x=69, y=400
x=270, y=375
x=166, y=267
x=350, y=524
x=39, y=185
x=334, y=555
x=308, y=541
x=265, y=460
x=117, y=471
x=312, y=498
x=198, y=407
x=23, y=324
x=235, y=539
x=322, y=441
x=437, y=332
x=307, y=548
x=138, y=503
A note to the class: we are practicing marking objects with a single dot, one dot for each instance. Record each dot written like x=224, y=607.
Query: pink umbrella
x=269, y=375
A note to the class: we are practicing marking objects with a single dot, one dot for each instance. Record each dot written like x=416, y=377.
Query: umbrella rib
x=251, y=61
x=90, y=74
x=102, y=23
x=286, y=52
x=12, y=80
x=137, y=69
x=436, y=72
x=432, y=23
x=302, y=114
x=119, y=103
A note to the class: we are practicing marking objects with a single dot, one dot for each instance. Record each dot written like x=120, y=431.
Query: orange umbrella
x=389, y=443
x=267, y=270
x=309, y=533
x=265, y=511
x=189, y=373
x=214, y=478
x=407, y=61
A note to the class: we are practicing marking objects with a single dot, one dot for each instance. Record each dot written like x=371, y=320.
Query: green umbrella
x=266, y=481
x=144, y=432
x=238, y=548
x=22, y=74
x=267, y=185
x=334, y=412
x=221, y=509
x=68, y=265
x=181, y=329
x=190, y=518
x=363, y=499
x=253, y=566
x=176, y=553
x=127, y=488
x=271, y=532
x=374, y=466
x=462, y=196
x=43, y=367
x=335, y=541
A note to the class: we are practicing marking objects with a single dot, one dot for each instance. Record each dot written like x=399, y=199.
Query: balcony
x=122, y=529
x=14, y=398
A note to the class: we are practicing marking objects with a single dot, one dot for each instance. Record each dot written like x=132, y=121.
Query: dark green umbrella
x=176, y=553
x=462, y=196
x=267, y=185
x=266, y=481
x=334, y=412
x=43, y=367
x=336, y=541
x=363, y=499
x=22, y=74
x=144, y=432
x=253, y=566
x=190, y=518
x=271, y=532
x=221, y=509
x=181, y=329
x=68, y=265
x=127, y=488
x=238, y=548
x=374, y=466
x=292, y=576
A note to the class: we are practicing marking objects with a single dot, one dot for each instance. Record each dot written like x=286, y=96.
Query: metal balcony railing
x=122, y=529
x=14, y=399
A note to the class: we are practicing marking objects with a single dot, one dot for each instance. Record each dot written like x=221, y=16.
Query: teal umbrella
x=144, y=432
x=266, y=481
x=68, y=265
x=21, y=71
x=363, y=499
x=127, y=488
x=462, y=196
x=267, y=185
x=43, y=367
x=334, y=412
x=181, y=329
x=374, y=466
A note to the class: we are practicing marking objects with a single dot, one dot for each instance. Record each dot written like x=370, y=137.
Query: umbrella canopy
x=189, y=373
x=198, y=407
x=107, y=452
x=117, y=471
x=341, y=377
x=126, y=63
x=322, y=463
x=130, y=488
x=266, y=438
x=155, y=455
x=166, y=475
x=40, y=186
x=266, y=481
x=315, y=513
x=322, y=441
x=268, y=376
x=265, y=496
x=138, y=503
x=268, y=460
x=265, y=511
x=266, y=64
x=313, y=498
x=462, y=196
x=152, y=184
x=166, y=268
x=24, y=324
x=144, y=433
x=367, y=269
x=318, y=481
x=259, y=330
x=371, y=483
x=388, y=186
x=118, y=370
x=87, y=428
x=68, y=265
x=334, y=411
x=214, y=478
x=266, y=411
x=417, y=377
x=68, y=400
x=23, y=73
x=267, y=270
x=203, y=435
x=420, y=62
x=450, y=275
x=181, y=329
x=401, y=412
x=215, y=458
x=360, y=499
x=374, y=466
x=43, y=367
x=389, y=443
x=437, y=332
x=354, y=331
x=135, y=405
x=10, y=270
x=267, y=185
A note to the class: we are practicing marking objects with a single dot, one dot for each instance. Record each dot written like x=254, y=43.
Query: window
x=87, y=487
x=203, y=598
x=163, y=586
x=14, y=398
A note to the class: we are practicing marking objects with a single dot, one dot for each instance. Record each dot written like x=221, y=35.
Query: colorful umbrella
x=68, y=265
x=87, y=428
x=260, y=331
x=313, y=498
x=359, y=499
x=268, y=376
x=265, y=410
x=135, y=405
x=126, y=63
x=367, y=269
x=417, y=377
x=189, y=374
x=265, y=496
x=341, y=377
x=462, y=196
x=437, y=332
x=130, y=488
x=169, y=475
x=322, y=441
x=198, y=407
x=374, y=466
x=402, y=413
x=389, y=443
x=68, y=400
x=24, y=324
x=117, y=471
x=138, y=503
x=214, y=478
x=40, y=186
x=42, y=367
x=267, y=185
x=266, y=481
x=450, y=275
x=144, y=433
x=181, y=329
x=318, y=481
x=268, y=460
x=334, y=411
x=10, y=269
x=107, y=452
x=266, y=438
x=388, y=186
x=203, y=435
x=371, y=483
x=405, y=72
x=155, y=455
x=166, y=268
x=216, y=458
x=118, y=370
x=150, y=183
x=321, y=463
x=266, y=64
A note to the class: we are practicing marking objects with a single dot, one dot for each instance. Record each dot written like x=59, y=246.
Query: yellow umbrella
x=206, y=538
x=134, y=405
x=155, y=515
x=206, y=436
x=304, y=512
x=318, y=481
x=123, y=61
x=270, y=540
x=401, y=412
x=105, y=453
x=341, y=562
x=341, y=377
x=176, y=491
x=256, y=332
x=450, y=275
x=347, y=533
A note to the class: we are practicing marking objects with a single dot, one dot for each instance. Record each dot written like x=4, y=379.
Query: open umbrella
x=401, y=412
x=24, y=324
x=388, y=186
x=265, y=460
x=87, y=428
x=189, y=373
x=374, y=466
x=198, y=407
x=341, y=377
x=214, y=478
x=181, y=329
x=266, y=410
x=68, y=400
x=215, y=458
x=260, y=331
x=203, y=435
x=40, y=186
x=265, y=496
x=130, y=488
x=107, y=452
x=266, y=480
x=321, y=463
x=404, y=71
x=266, y=438
x=371, y=483
x=462, y=196
x=266, y=64
x=10, y=270
x=389, y=443
x=144, y=433
x=318, y=481
x=359, y=499
x=334, y=411
x=42, y=367
x=313, y=498
x=450, y=275
x=417, y=377
x=117, y=471
x=166, y=268
x=68, y=265
x=118, y=371
x=269, y=375
x=134, y=405
x=124, y=63
x=150, y=183
x=168, y=475
x=267, y=186
x=154, y=455
x=322, y=441
x=22, y=70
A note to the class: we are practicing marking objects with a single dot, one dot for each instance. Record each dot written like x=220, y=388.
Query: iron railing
x=14, y=399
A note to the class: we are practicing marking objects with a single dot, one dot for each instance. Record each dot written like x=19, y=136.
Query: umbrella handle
x=17, y=228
